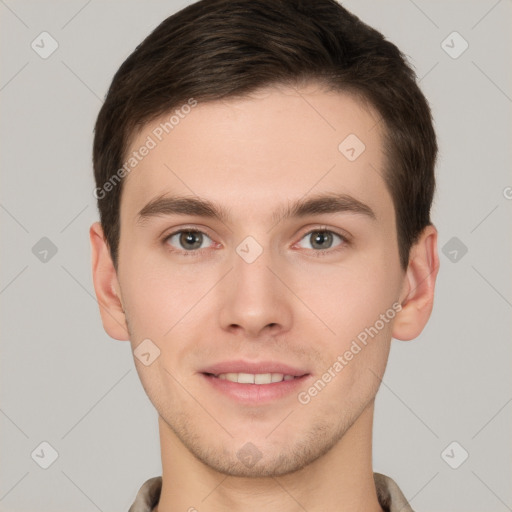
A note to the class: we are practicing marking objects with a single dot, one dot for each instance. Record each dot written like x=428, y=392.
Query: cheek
x=160, y=381
x=150, y=304
x=156, y=294
x=350, y=299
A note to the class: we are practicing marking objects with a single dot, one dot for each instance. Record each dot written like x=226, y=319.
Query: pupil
x=190, y=240
x=320, y=237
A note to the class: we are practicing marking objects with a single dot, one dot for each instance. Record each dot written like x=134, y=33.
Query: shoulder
x=390, y=496
x=148, y=495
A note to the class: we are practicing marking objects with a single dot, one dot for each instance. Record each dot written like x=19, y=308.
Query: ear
x=417, y=296
x=106, y=286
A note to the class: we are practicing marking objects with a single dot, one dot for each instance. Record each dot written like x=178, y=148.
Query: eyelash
x=345, y=241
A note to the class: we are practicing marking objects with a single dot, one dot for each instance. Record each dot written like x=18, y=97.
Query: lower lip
x=256, y=393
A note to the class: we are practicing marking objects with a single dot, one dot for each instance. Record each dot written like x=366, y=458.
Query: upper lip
x=254, y=367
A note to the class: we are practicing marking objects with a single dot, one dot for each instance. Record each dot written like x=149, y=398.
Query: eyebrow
x=195, y=206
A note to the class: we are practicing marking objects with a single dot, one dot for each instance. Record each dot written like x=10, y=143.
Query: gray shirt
x=389, y=494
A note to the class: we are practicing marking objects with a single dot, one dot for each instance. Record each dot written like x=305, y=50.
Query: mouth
x=259, y=379
x=265, y=383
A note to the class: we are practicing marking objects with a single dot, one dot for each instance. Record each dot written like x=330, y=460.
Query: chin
x=262, y=458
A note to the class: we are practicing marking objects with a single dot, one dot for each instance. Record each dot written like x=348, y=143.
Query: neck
x=340, y=480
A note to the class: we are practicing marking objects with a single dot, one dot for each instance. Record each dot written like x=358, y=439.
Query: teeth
x=245, y=378
x=252, y=378
x=262, y=378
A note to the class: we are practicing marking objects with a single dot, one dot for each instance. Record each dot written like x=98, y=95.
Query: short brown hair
x=215, y=49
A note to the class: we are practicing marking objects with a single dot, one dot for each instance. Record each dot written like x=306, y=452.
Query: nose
x=254, y=301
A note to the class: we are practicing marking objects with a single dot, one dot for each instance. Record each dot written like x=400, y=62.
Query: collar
x=390, y=496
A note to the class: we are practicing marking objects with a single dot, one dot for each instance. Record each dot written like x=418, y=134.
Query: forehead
x=276, y=144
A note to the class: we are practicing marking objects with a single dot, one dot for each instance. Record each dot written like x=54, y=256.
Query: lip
x=254, y=394
x=241, y=366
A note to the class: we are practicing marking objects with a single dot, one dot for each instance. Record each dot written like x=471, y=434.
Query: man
x=264, y=172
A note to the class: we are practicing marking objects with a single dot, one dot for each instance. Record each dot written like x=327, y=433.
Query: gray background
x=64, y=381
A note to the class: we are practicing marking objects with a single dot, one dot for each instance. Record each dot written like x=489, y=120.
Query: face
x=261, y=258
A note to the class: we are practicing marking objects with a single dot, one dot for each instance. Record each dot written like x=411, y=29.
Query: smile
x=254, y=378
x=255, y=389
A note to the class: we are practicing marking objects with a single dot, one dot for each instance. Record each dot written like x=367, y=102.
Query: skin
x=296, y=303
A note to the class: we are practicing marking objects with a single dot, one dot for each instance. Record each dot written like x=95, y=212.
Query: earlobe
x=419, y=285
x=106, y=286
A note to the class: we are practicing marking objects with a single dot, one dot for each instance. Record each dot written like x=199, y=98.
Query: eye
x=189, y=240
x=322, y=239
